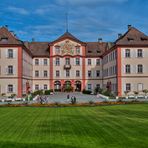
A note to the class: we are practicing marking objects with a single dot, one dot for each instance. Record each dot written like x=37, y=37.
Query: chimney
x=33, y=39
x=6, y=26
x=100, y=40
x=119, y=35
x=129, y=27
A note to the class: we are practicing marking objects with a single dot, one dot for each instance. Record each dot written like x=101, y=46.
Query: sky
x=88, y=20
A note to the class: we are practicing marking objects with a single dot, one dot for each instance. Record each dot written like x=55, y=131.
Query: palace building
x=118, y=66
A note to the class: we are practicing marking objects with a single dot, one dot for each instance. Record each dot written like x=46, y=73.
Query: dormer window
x=89, y=51
x=143, y=39
x=98, y=51
x=4, y=39
x=130, y=39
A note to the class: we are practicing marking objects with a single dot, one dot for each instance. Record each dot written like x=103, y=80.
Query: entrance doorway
x=67, y=86
x=78, y=86
x=57, y=86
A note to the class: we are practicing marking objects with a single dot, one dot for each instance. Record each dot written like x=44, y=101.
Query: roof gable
x=6, y=37
x=66, y=35
x=133, y=37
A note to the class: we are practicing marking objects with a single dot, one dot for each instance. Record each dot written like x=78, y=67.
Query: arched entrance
x=78, y=86
x=57, y=85
x=67, y=87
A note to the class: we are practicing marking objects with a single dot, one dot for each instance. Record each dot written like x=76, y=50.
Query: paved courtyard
x=62, y=97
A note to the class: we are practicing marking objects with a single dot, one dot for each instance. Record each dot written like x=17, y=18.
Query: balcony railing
x=67, y=66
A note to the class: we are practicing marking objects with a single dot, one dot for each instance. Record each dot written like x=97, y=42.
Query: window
x=97, y=61
x=36, y=87
x=140, y=68
x=45, y=87
x=77, y=61
x=127, y=53
x=98, y=86
x=45, y=73
x=128, y=87
x=45, y=62
x=89, y=86
x=89, y=73
x=57, y=62
x=10, y=70
x=67, y=61
x=57, y=73
x=57, y=50
x=140, y=87
x=98, y=73
x=36, y=61
x=77, y=50
x=139, y=53
x=77, y=73
x=10, y=88
x=67, y=73
x=127, y=69
x=36, y=73
x=89, y=61
x=10, y=53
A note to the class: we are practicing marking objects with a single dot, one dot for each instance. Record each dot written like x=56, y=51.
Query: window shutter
x=124, y=53
x=40, y=62
x=6, y=70
x=74, y=60
x=143, y=53
x=14, y=53
x=124, y=85
x=41, y=73
x=14, y=70
x=6, y=89
x=6, y=53
x=14, y=89
x=132, y=68
x=124, y=71
x=144, y=70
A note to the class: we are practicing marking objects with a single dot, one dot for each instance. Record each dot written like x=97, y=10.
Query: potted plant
x=136, y=94
x=126, y=94
x=145, y=91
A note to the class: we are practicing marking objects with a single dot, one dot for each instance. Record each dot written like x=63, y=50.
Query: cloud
x=18, y=10
x=88, y=2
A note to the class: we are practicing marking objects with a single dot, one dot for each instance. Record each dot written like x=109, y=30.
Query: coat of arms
x=67, y=48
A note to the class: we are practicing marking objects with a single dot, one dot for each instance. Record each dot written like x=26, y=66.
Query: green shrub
x=87, y=92
x=57, y=90
x=13, y=95
x=98, y=90
x=47, y=92
x=3, y=94
x=91, y=102
x=68, y=88
x=38, y=92
x=107, y=93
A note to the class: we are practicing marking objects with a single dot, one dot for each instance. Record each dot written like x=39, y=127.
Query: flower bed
x=56, y=104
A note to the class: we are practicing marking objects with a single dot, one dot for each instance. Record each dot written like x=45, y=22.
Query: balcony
x=67, y=66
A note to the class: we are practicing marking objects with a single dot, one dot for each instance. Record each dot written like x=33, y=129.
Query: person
x=68, y=97
x=74, y=99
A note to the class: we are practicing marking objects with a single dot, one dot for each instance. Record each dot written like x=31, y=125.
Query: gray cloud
x=18, y=10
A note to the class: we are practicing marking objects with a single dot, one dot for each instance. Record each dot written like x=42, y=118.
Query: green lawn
x=123, y=126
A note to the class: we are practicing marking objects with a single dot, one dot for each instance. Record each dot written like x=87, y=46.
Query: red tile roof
x=7, y=38
x=132, y=37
